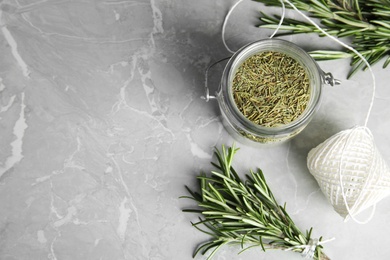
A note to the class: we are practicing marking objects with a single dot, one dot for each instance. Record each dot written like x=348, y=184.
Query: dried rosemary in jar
x=271, y=89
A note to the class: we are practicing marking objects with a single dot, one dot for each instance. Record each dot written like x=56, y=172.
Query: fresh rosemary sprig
x=244, y=213
x=366, y=22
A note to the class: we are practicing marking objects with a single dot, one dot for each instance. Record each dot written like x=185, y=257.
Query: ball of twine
x=350, y=171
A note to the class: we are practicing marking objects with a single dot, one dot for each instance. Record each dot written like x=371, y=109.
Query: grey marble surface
x=102, y=125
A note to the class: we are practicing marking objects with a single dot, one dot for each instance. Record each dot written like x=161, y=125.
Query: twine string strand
x=224, y=25
x=350, y=139
x=230, y=13
x=280, y=21
x=310, y=248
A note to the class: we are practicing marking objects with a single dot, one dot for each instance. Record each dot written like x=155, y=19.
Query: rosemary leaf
x=365, y=22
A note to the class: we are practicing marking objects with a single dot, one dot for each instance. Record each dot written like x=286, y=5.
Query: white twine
x=231, y=11
x=225, y=22
x=310, y=248
x=349, y=210
x=281, y=19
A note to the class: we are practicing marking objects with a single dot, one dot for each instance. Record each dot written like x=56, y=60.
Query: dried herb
x=245, y=213
x=271, y=88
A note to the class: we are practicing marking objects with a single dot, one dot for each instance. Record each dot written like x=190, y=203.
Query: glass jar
x=247, y=131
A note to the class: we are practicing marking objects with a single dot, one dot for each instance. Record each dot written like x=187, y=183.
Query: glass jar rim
x=225, y=93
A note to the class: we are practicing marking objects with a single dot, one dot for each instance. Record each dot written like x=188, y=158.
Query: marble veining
x=102, y=125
